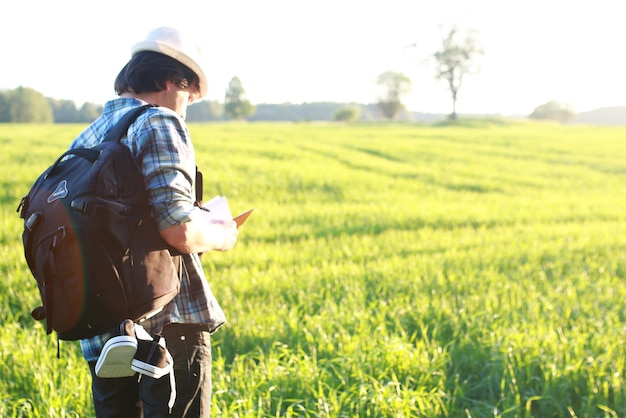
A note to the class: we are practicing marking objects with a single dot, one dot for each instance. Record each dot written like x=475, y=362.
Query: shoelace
x=172, y=382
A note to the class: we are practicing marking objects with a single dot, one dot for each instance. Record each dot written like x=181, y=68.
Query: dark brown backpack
x=91, y=244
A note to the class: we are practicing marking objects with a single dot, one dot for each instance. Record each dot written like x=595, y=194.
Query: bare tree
x=455, y=60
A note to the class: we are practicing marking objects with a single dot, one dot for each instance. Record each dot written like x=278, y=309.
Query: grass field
x=389, y=270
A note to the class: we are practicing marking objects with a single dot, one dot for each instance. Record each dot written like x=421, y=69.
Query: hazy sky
x=331, y=50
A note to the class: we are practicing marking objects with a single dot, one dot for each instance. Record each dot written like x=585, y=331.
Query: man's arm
x=168, y=162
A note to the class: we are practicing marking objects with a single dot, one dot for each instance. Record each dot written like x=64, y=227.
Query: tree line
x=455, y=60
x=26, y=105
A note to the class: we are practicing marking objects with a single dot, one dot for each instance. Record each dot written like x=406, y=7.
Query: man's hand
x=229, y=231
x=203, y=234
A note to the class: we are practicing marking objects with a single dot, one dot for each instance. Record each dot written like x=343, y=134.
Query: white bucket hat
x=175, y=44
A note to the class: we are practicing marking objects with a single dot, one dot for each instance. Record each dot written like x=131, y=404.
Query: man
x=166, y=69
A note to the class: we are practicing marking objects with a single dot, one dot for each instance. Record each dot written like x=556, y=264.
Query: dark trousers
x=142, y=396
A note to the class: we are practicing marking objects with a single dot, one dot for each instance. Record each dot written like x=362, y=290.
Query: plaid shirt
x=161, y=144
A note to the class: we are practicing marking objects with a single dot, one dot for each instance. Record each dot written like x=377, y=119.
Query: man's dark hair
x=148, y=72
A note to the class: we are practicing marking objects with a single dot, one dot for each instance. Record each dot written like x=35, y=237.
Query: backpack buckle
x=59, y=236
x=82, y=206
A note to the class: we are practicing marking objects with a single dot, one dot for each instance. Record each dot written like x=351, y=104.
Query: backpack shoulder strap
x=115, y=135
x=199, y=185
x=121, y=128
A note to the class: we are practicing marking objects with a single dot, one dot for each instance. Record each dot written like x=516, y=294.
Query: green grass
x=389, y=270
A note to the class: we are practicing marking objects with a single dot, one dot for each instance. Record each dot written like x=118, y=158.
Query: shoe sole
x=116, y=357
x=150, y=370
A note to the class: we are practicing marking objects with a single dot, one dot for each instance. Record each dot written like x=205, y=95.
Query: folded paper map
x=218, y=206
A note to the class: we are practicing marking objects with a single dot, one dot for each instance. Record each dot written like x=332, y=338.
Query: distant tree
x=4, y=106
x=236, y=104
x=63, y=111
x=553, y=110
x=296, y=112
x=26, y=105
x=206, y=110
x=394, y=85
x=348, y=113
x=455, y=60
x=89, y=112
